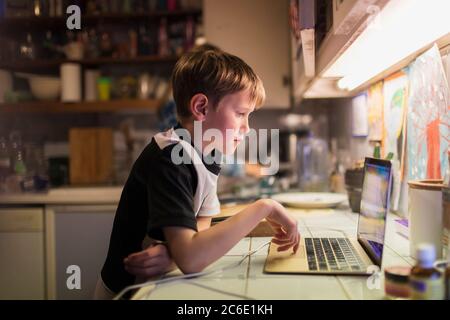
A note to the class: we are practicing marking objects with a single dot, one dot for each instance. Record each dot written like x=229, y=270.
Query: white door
x=79, y=239
x=22, y=274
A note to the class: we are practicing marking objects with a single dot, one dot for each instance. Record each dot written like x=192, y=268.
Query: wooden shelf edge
x=11, y=25
x=41, y=63
x=73, y=107
x=99, y=17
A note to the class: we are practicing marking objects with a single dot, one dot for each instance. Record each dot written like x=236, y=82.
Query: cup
x=104, y=88
x=425, y=214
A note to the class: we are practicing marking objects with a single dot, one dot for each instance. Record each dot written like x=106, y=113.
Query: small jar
x=396, y=282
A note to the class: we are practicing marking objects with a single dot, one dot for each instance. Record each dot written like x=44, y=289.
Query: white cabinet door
x=22, y=274
x=80, y=238
x=257, y=31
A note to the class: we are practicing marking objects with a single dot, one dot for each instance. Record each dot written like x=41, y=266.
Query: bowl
x=44, y=87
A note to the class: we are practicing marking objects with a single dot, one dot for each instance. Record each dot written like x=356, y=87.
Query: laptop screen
x=374, y=207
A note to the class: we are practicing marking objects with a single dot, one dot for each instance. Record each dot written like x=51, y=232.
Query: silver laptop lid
x=375, y=200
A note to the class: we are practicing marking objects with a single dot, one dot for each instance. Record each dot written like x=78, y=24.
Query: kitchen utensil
x=91, y=155
x=310, y=200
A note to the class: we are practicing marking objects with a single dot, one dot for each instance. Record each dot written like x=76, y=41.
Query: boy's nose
x=245, y=127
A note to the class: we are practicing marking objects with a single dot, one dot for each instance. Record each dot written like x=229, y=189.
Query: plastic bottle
x=426, y=281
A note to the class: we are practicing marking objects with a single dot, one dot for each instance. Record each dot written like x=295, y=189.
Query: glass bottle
x=36, y=168
x=18, y=166
x=312, y=164
x=27, y=48
x=163, y=41
x=143, y=41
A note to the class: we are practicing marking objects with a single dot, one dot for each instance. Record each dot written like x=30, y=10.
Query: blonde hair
x=215, y=73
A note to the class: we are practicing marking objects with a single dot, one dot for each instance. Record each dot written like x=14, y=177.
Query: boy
x=173, y=201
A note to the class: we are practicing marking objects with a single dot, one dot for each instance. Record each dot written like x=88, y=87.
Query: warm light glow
x=400, y=29
x=343, y=83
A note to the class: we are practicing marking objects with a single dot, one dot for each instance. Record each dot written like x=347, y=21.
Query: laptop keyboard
x=332, y=254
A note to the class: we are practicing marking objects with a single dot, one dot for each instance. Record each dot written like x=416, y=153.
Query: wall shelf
x=17, y=27
x=83, y=107
x=46, y=65
x=12, y=25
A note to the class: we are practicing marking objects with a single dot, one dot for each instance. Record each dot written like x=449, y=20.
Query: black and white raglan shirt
x=158, y=194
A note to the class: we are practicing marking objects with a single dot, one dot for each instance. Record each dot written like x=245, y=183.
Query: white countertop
x=81, y=195
x=249, y=281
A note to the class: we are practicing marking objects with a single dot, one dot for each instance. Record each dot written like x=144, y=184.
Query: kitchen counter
x=249, y=281
x=88, y=195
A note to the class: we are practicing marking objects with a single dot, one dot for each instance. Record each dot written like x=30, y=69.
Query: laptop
x=353, y=256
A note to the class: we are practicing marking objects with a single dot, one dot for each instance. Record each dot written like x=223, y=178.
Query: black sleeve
x=171, y=190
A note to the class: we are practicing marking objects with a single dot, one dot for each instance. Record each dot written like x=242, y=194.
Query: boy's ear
x=199, y=106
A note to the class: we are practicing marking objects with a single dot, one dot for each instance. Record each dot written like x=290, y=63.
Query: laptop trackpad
x=286, y=261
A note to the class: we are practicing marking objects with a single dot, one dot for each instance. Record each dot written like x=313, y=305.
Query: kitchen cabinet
x=42, y=234
x=77, y=235
x=22, y=268
x=258, y=32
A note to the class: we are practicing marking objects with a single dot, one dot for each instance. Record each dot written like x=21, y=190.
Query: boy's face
x=230, y=118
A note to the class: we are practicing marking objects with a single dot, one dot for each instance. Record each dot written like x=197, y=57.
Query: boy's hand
x=285, y=227
x=153, y=261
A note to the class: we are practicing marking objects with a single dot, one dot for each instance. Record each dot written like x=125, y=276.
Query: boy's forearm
x=203, y=223
x=194, y=251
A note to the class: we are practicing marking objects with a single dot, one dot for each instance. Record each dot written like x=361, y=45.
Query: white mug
x=425, y=214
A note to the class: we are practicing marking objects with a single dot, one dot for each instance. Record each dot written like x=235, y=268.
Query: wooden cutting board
x=91, y=155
